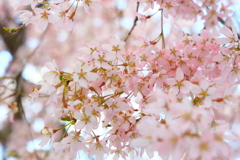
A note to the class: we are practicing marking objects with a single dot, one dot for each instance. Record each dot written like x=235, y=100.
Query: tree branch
x=134, y=24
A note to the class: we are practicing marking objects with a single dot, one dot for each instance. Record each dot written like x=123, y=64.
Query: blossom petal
x=186, y=87
x=171, y=81
x=179, y=74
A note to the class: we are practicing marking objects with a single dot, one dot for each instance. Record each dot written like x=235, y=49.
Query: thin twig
x=222, y=22
x=20, y=89
x=134, y=24
x=162, y=34
x=34, y=51
x=29, y=126
x=7, y=77
x=8, y=96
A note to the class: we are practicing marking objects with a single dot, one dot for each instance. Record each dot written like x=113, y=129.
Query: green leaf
x=108, y=126
x=10, y=30
x=44, y=4
x=66, y=118
x=13, y=30
x=61, y=77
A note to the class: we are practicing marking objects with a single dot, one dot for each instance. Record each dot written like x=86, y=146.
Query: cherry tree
x=121, y=79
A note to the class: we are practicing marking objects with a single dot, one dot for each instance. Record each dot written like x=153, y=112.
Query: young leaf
x=14, y=30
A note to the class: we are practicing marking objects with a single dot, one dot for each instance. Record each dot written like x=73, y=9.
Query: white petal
x=121, y=45
x=51, y=65
x=44, y=141
x=149, y=152
x=139, y=142
x=75, y=77
x=91, y=76
x=211, y=90
x=42, y=24
x=107, y=47
x=83, y=83
x=78, y=67
x=86, y=9
x=186, y=87
x=66, y=140
x=114, y=40
x=196, y=89
x=80, y=125
x=96, y=6
x=173, y=90
x=89, y=128
x=179, y=74
x=171, y=81
x=204, y=84
x=223, y=40
x=125, y=126
x=106, y=65
x=77, y=115
x=88, y=110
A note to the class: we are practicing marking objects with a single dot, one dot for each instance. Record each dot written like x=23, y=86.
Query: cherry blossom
x=86, y=119
x=47, y=133
x=204, y=93
x=168, y=6
x=149, y=4
x=178, y=84
x=17, y=3
x=26, y=16
x=84, y=75
x=115, y=45
x=87, y=4
x=71, y=144
x=42, y=18
x=142, y=19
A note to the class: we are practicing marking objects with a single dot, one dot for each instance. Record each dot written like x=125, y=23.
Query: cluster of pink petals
x=57, y=12
x=177, y=101
x=164, y=100
x=63, y=13
x=210, y=11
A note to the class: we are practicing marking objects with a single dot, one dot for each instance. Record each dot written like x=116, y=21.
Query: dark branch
x=134, y=24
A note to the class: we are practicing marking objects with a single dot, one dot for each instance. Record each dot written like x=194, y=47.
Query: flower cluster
x=163, y=100
x=58, y=12
x=210, y=11
x=174, y=95
x=63, y=14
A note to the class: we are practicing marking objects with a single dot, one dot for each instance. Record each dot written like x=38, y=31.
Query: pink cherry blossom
x=47, y=134
x=42, y=18
x=149, y=4
x=16, y=3
x=71, y=144
x=84, y=75
x=25, y=17
x=178, y=84
x=87, y=4
x=142, y=18
x=168, y=7
x=114, y=46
